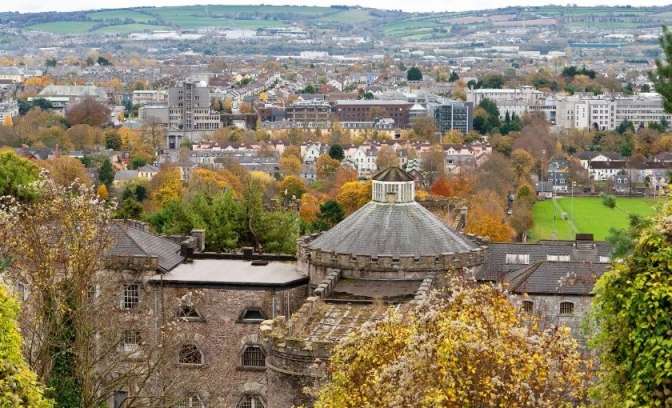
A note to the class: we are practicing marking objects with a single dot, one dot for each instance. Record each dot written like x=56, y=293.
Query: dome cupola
x=393, y=185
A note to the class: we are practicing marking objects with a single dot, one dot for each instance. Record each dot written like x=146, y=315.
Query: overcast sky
x=406, y=5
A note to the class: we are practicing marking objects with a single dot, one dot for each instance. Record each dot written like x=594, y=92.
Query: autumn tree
x=433, y=164
x=309, y=207
x=58, y=245
x=424, y=128
x=19, y=386
x=326, y=166
x=291, y=188
x=290, y=165
x=165, y=186
x=522, y=163
x=88, y=112
x=65, y=170
x=386, y=157
x=453, y=351
x=632, y=322
x=486, y=217
x=353, y=195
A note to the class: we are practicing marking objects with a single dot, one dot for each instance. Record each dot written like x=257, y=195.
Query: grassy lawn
x=586, y=215
x=64, y=27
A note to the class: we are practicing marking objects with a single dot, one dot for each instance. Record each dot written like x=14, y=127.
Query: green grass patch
x=585, y=215
x=353, y=16
x=63, y=27
x=106, y=15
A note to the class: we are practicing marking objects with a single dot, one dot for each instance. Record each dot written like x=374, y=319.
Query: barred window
x=253, y=356
x=566, y=308
x=528, y=306
x=190, y=354
x=250, y=401
x=131, y=297
x=130, y=340
x=191, y=401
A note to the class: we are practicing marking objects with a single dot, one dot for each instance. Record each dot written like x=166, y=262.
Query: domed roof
x=392, y=229
x=394, y=174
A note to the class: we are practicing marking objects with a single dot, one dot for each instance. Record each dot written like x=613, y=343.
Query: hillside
x=382, y=23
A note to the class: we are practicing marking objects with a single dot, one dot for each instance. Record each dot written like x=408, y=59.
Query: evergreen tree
x=106, y=173
x=662, y=76
x=414, y=74
x=336, y=152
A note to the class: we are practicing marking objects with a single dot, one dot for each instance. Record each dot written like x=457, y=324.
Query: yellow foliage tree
x=165, y=186
x=65, y=170
x=208, y=181
x=8, y=121
x=353, y=195
x=471, y=348
x=102, y=192
x=290, y=165
x=129, y=138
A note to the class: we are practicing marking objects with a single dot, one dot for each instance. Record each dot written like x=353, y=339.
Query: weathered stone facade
x=222, y=334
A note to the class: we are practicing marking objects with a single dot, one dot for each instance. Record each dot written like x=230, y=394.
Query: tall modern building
x=190, y=116
x=454, y=115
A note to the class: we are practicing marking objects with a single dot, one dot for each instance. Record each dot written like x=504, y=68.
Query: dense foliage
x=18, y=384
x=470, y=348
x=631, y=312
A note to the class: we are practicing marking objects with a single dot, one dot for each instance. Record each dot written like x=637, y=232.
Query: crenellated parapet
x=290, y=348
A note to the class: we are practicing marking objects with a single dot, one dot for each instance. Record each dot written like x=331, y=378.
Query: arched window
x=190, y=354
x=191, y=401
x=252, y=315
x=528, y=306
x=566, y=308
x=253, y=356
x=250, y=401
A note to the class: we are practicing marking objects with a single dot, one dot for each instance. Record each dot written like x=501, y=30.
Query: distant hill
x=395, y=24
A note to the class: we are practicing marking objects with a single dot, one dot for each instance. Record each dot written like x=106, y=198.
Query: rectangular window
x=517, y=259
x=130, y=341
x=131, y=297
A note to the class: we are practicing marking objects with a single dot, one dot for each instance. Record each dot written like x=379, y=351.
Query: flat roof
x=372, y=102
x=233, y=272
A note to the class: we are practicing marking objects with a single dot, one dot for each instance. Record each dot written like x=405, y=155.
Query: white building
x=519, y=100
x=149, y=97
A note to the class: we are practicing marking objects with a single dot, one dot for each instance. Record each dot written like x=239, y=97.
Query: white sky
x=406, y=5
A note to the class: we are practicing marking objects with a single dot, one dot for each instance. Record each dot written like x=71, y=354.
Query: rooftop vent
x=259, y=262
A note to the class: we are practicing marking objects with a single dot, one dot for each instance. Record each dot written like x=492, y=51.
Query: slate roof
x=392, y=174
x=132, y=241
x=495, y=266
x=551, y=277
x=233, y=272
x=379, y=229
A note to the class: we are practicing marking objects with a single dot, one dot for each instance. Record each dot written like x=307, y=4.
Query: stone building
x=389, y=252
x=552, y=279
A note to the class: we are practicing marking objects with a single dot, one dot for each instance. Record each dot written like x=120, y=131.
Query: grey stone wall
x=222, y=336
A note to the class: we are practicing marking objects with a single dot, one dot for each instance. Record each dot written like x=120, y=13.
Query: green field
x=64, y=27
x=585, y=215
x=130, y=28
x=106, y=15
